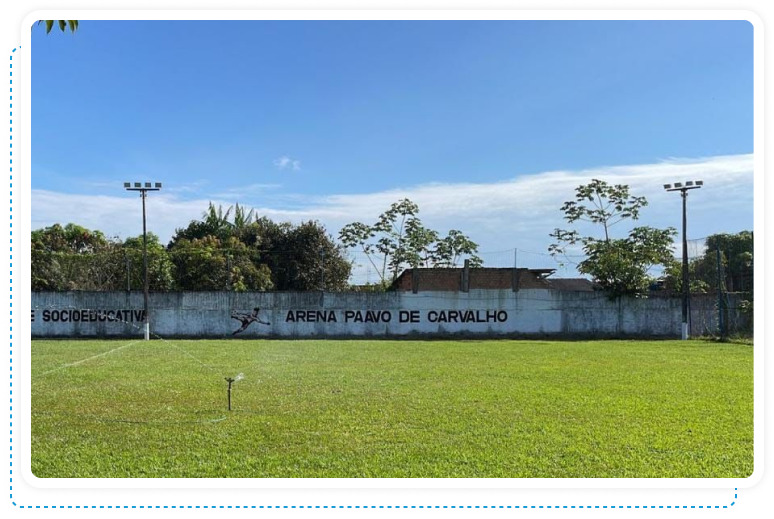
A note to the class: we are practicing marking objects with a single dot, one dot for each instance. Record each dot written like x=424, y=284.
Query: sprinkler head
x=228, y=392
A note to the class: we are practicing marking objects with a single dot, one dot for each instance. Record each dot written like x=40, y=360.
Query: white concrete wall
x=208, y=314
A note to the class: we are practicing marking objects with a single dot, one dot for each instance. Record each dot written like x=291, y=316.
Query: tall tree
x=450, y=249
x=399, y=239
x=620, y=265
x=310, y=259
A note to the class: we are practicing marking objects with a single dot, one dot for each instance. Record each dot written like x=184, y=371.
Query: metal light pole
x=143, y=189
x=683, y=188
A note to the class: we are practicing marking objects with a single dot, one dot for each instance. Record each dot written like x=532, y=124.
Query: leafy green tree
x=242, y=218
x=619, y=265
x=298, y=257
x=736, y=273
x=449, y=250
x=71, y=238
x=160, y=266
x=399, y=239
x=312, y=260
x=211, y=264
x=74, y=258
x=63, y=24
x=214, y=222
x=673, y=277
x=737, y=255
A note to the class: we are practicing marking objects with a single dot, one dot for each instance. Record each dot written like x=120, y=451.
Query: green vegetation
x=229, y=250
x=620, y=266
x=72, y=24
x=736, y=260
x=392, y=409
x=399, y=239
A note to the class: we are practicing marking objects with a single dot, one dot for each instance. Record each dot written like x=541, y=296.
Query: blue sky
x=332, y=120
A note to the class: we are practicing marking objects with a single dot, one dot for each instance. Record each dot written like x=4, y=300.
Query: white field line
x=79, y=362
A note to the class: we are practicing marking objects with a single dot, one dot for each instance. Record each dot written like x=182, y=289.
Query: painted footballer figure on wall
x=247, y=319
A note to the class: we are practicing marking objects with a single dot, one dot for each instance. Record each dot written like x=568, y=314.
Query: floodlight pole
x=683, y=188
x=686, y=281
x=145, y=284
x=143, y=189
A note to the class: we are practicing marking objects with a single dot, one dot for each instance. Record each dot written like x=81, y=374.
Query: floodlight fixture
x=142, y=186
x=667, y=186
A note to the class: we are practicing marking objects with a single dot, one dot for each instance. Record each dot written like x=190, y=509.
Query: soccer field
x=359, y=408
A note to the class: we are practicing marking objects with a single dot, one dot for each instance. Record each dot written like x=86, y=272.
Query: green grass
x=392, y=409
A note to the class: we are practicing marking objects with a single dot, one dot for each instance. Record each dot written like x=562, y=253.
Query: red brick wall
x=491, y=278
x=481, y=278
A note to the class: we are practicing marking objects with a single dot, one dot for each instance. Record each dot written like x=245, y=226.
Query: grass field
x=392, y=409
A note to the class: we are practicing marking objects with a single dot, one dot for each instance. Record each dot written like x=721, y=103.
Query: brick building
x=465, y=279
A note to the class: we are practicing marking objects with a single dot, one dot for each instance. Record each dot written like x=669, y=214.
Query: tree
x=72, y=24
x=391, y=232
x=300, y=257
x=210, y=263
x=296, y=257
x=314, y=261
x=242, y=219
x=450, y=249
x=160, y=266
x=398, y=238
x=673, y=277
x=737, y=254
x=74, y=258
x=619, y=265
x=736, y=259
x=71, y=238
x=214, y=222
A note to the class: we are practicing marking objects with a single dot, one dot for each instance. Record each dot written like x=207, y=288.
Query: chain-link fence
x=373, y=269
x=721, y=268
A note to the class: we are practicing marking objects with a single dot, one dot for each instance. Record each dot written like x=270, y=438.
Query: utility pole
x=143, y=189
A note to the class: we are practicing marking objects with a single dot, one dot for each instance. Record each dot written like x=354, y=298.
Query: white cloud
x=286, y=162
x=519, y=212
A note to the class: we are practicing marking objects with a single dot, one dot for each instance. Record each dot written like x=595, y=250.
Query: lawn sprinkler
x=230, y=381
